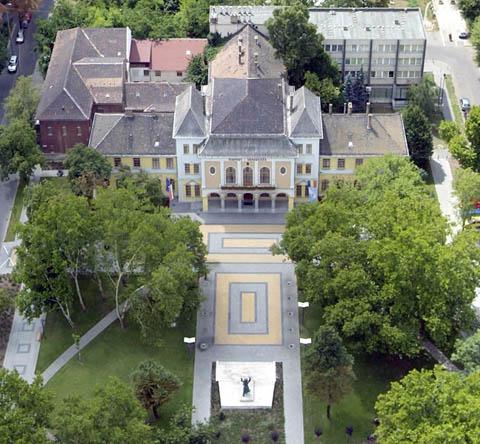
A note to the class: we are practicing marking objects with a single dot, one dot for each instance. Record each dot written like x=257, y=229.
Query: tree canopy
x=374, y=258
x=467, y=352
x=298, y=44
x=466, y=185
x=24, y=409
x=419, y=135
x=424, y=95
x=22, y=101
x=430, y=407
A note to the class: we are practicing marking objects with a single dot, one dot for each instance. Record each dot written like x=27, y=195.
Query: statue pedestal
x=229, y=376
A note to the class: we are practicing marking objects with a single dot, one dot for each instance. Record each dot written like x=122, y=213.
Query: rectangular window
x=327, y=47
x=390, y=74
x=326, y=164
x=195, y=148
x=341, y=164
x=64, y=130
x=300, y=148
x=347, y=61
x=79, y=130
x=136, y=162
x=299, y=168
x=340, y=47
x=156, y=163
x=354, y=48
x=372, y=73
x=308, y=149
x=146, y=72
x=197, y=190
x=196, y=168
x=169, y=163
x=334, y=48
x=358, y=162
x=187, y=168
x=324, y=185
x=186, y=149
x=49, y=131
x=188, y=190
x=179, y=73
x=117, y=161
x=308, y=168
x=298, y=190
x=158, y=73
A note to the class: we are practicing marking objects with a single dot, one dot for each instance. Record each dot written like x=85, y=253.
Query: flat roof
x=369, y=23
x=360, y=23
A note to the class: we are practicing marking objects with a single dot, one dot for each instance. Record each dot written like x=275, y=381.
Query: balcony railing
x=259, y=186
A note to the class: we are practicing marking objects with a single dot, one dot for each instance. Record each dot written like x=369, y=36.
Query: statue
x=246, y=388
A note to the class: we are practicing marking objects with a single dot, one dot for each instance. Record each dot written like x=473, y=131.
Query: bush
x=448, y=129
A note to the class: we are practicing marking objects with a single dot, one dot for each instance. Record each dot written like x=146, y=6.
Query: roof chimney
x=369, y=121
x=188, y=54
x=256, y=40
x=255, y=58
x=290, y=102
x=367, y=111
x=330, y=108
x=349, y=108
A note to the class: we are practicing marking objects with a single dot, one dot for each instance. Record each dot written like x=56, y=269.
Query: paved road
x=26, y=52
x=7, y=196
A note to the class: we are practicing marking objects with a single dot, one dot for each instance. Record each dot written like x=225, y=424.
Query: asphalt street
x=26, y=51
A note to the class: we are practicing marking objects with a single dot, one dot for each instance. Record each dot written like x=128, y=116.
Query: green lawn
x=357, y=409
x=16, y=212
x=58, y=334
x=117, y=352
x=457, y=113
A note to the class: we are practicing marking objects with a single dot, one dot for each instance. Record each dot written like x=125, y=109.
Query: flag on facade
x=169, y=189
x=312, y=191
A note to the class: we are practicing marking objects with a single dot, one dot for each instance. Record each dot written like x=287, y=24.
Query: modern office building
x=388, y=44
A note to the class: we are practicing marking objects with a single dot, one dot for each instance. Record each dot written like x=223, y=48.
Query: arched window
x=230, y=175
x=247, y=177
x=264, y=175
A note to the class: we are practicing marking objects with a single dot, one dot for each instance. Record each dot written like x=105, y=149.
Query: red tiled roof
x=171, y=55
x=140, y=51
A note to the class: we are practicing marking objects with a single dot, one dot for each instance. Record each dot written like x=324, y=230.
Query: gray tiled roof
x=306, y=116
x=386, y=135
x=248, y=106
x=257, y=60
x=135, y=133
x=152, y=96
x=69, y=90
x=189, y=114
x=248, y=147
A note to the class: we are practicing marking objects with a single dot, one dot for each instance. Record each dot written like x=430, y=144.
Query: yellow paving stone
x=222, y=309
x=247, y=243
x=248, y=307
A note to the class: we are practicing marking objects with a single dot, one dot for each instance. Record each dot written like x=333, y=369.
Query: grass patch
x=374, y=374
x=117, y=352
x=258, y=424
x=58, y=334
x=16, y=212
x=457, y=113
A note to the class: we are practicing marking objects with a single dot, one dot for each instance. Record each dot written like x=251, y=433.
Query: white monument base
x=229, y=376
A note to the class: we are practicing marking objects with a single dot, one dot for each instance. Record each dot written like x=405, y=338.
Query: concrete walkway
x=72, y=351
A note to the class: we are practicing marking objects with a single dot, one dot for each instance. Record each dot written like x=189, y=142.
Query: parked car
x=25, y=19
x=464, y=104
x=13, y=64
x=20, y=36
x=463, y=35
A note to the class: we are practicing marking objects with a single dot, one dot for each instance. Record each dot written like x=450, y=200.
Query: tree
x=467, y=352
x=22, y=101
x=430, y=407
x=181, y=430
x=466, y=187
x=470, y=9
x=325, y=89
x=87, y=168
x=329, y=367
x=193, y=17
x=359, y=93
x=197, y=71
x=462, y=150
x=297, y=43
x=348, y=92
x=419, y=135
x=424, y=95
x=475, y=36
x=374, y=257
x=113, y=416
x=19, y=152
x=448, y=129
x=24, y=408
x=153, y=385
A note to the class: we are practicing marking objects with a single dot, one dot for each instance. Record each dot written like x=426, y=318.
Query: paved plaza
x=249, y=314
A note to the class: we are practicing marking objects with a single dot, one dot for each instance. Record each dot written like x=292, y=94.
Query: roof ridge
x=91, y=42
x=120, y=117
x=238, y=103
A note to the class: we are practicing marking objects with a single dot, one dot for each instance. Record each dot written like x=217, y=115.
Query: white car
x=13, y=64
x=20, y=37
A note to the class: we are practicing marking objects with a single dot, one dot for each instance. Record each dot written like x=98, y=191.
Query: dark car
x=463, y=35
